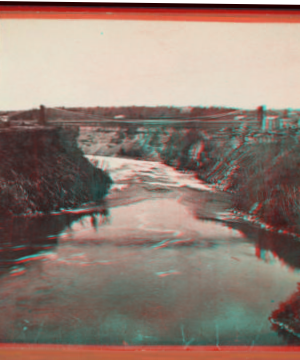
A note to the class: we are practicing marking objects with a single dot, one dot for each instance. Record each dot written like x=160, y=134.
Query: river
x=153, y=265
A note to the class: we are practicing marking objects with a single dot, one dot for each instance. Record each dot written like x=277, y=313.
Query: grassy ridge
x=43, y=170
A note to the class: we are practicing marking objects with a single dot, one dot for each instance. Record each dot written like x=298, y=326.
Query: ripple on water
x=147, y=273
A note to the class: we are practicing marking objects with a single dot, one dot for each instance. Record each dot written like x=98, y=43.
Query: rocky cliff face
x=43, y=170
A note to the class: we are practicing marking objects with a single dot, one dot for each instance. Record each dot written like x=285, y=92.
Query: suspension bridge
x=62, y=117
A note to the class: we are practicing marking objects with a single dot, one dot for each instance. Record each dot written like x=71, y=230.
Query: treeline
x=127, y=112
x=147, y=112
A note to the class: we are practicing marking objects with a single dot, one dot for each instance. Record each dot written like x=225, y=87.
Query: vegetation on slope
x=43, y=170
x=261, y=175
x=260, y=170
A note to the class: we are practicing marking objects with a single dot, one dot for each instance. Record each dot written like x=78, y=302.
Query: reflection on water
x=153, y=222
x=143, y=277
x=271, y=247
x=284, y=247
x=26, y=238
x=148, y=272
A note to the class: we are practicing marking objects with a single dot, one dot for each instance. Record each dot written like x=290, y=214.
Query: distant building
x=4, y=118
x=4, y=121
x=186, y=110
x=271, y=123
x=288, y=123
x=276, y=123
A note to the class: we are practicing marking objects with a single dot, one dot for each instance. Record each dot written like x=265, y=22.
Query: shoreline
x=232, y=215
x=254, y=220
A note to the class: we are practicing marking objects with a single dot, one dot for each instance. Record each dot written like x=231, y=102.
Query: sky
x=127, y=62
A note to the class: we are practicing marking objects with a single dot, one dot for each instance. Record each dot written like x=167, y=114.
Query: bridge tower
x=261, y=116
x=42, y=115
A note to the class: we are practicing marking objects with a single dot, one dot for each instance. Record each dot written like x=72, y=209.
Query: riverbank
x=151, y=253
x=42, y=170
x=258, y=170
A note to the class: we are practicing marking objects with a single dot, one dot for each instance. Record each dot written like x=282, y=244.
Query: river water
x=149, y=266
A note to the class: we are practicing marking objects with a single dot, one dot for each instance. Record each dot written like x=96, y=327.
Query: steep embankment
x=43, y=170
x=261, y=171
x=285, y=320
